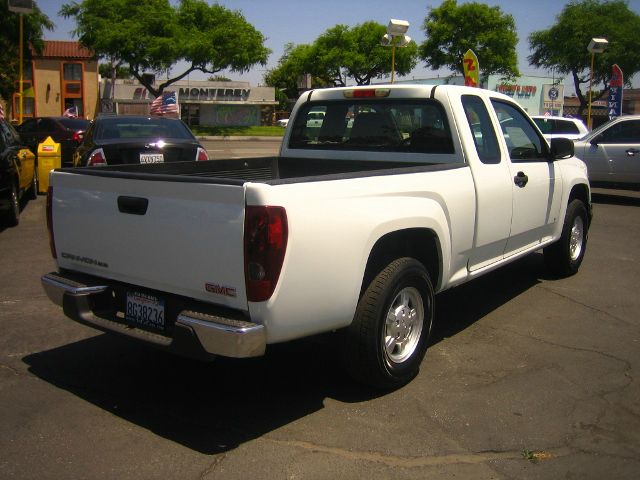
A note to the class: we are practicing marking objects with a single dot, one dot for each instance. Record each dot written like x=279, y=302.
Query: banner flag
x=471, y=69
x=615, y=92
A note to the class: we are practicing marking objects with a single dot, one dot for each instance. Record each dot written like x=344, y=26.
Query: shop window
x=72, y=87
x=190, y=114
x=72, y=71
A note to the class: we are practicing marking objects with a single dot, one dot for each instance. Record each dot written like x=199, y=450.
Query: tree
x=563, y=47
x=452, y=30
x=371, y=60
x=34, y=25
x=107, y=70
x=339, y=54
x=291, y=66
x=153, y=36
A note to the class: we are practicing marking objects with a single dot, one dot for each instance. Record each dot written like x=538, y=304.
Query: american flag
x=71, y=112
x=166, y=104
x=1, y=112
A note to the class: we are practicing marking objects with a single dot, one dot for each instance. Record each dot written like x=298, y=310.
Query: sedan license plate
x=151, y=158
x=145, y=310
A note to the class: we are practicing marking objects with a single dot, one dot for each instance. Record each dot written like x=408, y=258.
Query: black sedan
x=129, y=139
x=68, y=132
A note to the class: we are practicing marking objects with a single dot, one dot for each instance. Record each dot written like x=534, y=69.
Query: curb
x=238, y=138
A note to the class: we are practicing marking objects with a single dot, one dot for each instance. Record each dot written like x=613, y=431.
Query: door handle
x=520, y=179
x=133, y=205
x=632, y=152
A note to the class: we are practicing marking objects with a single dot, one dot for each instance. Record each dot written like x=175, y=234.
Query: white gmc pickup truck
x=399, y=193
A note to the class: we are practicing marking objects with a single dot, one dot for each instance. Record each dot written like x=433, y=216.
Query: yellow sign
x=471, y=69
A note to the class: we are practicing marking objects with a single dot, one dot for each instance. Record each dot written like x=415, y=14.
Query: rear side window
x=484, y=136
x=409, y=126
x=523, y=141
x=556, y=127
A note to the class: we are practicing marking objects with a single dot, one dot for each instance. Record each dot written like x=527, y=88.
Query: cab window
x=523, y=141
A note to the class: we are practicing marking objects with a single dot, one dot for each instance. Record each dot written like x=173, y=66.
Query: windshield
x=409, y=126
x=123, y=127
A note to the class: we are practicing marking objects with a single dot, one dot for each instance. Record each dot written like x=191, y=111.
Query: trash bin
x=49, y=157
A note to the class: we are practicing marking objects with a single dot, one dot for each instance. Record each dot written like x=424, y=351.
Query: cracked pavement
x=527, y=377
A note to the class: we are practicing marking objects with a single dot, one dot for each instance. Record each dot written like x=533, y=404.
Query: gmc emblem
x=220, y=290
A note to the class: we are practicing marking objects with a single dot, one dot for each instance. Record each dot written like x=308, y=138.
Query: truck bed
x=270, y=170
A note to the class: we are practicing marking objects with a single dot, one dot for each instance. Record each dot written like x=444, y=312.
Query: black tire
x=383, y=347
x=12, y=215
x=564, y=257
x=33, y=191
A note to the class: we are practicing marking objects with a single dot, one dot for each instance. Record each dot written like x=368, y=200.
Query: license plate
x=151, y=158
x=145, y=310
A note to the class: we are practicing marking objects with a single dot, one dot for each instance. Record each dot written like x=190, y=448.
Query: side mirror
x=561, y=148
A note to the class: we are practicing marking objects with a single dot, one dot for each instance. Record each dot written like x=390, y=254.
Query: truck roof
x=391, y=91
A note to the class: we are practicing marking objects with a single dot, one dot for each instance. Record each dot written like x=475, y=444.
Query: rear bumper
x=194, y=333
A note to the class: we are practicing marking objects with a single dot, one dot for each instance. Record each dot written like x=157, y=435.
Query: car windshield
x=75, y=123
x=121, y=127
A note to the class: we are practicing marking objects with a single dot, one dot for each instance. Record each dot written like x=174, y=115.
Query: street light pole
x=395, y=37
x=596, y=45
x=21, y=70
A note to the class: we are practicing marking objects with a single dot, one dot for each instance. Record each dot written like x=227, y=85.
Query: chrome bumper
x=195, y=334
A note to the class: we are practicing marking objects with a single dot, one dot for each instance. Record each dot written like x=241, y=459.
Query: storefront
x=201, y=103
x=537, y=95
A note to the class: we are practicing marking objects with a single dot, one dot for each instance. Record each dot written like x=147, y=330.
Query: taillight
x=77, y=137
x=265, y=243
x=201, y=155
x=97, y=158
x=52, y=241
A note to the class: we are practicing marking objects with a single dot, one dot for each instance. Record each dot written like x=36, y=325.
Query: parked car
x=552, y=127
x=18, y=173
x=282, y=122
x=612, y=151
x=127, y=139
x=68, y=132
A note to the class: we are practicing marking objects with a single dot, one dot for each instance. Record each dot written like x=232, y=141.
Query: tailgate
x=180, y=237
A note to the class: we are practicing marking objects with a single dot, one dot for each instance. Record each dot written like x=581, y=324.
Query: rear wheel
x=564, y=257
x=387, y=339
x=12, y=215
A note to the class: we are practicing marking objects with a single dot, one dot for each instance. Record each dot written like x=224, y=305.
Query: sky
x=299, y=21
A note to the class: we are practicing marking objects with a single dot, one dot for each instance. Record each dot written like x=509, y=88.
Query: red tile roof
x=65, y=49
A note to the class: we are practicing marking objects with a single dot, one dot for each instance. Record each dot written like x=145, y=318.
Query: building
x=537, y=95
x=64, y=76
x=202, y=103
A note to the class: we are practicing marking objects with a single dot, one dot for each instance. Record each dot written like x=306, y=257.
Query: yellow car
x=18, y=174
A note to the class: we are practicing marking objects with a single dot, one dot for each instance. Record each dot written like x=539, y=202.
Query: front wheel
x=33, y=191
x=564, y=257
x=387, y=340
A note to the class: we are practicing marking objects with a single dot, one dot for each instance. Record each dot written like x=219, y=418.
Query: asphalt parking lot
x=527, y=377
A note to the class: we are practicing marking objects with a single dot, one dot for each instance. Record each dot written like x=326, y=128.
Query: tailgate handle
x=133, y=205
